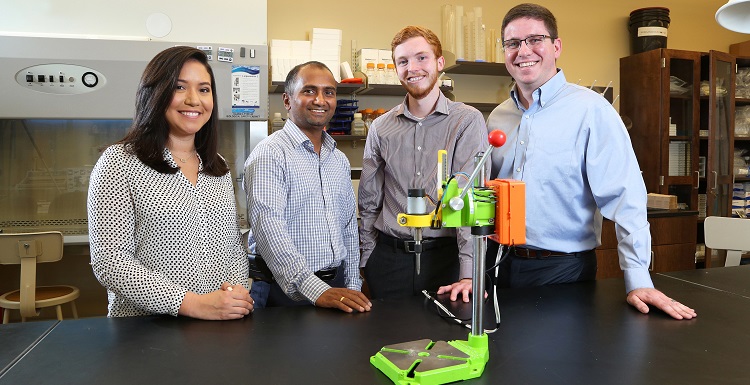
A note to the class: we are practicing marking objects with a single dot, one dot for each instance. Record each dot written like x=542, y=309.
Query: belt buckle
x=534, y=253
x=414, y=247
x=543, y=254
x=326, y=275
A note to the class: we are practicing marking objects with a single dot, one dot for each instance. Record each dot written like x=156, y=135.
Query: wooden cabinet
x=741, y=101
x=716, y=138
x=682, y=105
x=673, y=238
x=717, y=131
x=741, y=136
x=660, y=94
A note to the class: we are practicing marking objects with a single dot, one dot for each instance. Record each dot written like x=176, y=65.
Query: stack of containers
x=365, y=56
x=341, y=123
x=679, y=158
x=739, y=200
x=326, y=48
x=740, y=195
x=285, y=54
x=702, y=205
x=648, y=29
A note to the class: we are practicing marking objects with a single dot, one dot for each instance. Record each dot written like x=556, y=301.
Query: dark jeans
x=270, y=294
x=519, y=272
x=391, y=271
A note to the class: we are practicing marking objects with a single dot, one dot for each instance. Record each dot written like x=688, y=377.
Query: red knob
x=496, y=138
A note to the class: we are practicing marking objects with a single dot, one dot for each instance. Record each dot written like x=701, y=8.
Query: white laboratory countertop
x=80, y=239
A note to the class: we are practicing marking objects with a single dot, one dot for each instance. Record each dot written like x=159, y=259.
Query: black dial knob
x=90, y=79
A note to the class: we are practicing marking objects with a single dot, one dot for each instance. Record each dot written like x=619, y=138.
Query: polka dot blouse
x=155, y=236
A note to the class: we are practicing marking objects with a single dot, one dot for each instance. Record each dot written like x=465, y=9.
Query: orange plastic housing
x=510, y=211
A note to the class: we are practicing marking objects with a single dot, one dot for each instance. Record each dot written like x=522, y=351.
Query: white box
x=335, y=67
x=329, y=52
x=299, y=45
x=326, y=38
x=346, y=70
x=327, y=32
x=385, y=56
x=280, y=43
x=364, y=56
x=281, y=51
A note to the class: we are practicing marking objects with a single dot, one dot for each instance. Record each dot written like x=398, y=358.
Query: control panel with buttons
x=225, y=54
x=64, y=79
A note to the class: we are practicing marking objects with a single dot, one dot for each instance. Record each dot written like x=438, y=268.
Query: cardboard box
x=364, y=56
x=661, y=201
x=385, y=56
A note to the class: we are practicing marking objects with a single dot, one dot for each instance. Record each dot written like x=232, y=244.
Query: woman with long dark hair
x=163, y=225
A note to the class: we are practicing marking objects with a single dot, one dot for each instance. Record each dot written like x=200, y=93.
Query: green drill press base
x=424, y=362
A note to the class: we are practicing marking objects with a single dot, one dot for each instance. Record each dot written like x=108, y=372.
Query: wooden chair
x=28, y=249
x=730, y=234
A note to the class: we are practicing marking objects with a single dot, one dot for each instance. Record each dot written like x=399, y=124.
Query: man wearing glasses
x=571, y=149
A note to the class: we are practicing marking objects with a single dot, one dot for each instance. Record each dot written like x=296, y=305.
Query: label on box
x=652, y=31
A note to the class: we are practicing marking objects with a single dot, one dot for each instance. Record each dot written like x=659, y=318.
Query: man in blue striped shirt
x=300, y=203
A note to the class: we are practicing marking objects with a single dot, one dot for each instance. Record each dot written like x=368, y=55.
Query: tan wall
x=594, y=32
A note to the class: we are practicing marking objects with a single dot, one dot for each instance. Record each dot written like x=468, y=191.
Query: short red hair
x=416, y=31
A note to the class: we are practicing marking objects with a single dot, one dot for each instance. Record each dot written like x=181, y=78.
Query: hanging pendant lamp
x=735, y=16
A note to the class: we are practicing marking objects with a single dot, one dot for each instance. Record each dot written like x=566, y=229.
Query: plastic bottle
x=277, y=123
x=390, y=74
x=367, y=117
x=358, y=125
x=370, y=73
x=380, y=75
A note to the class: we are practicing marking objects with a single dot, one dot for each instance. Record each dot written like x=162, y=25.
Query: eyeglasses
x=513, y=45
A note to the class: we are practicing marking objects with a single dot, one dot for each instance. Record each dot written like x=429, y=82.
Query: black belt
x=259, y=271
x=328, y=274
x=408, y=244
x=537, y=253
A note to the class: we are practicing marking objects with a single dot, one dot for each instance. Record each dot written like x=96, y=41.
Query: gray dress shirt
x=401, y=152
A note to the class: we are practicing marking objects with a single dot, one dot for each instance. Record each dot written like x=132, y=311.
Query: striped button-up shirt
x=401, y=152
x=301, y=211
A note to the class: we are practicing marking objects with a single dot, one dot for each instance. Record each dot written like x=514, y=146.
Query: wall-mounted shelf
x=477, y=68
x=348, y=137
x=359, y=89
x=383, y=90
x=390, y=90
x=353, y=139
x=483, y=107
x=341, y=88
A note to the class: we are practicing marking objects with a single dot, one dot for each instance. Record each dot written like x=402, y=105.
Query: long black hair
x=148, y=136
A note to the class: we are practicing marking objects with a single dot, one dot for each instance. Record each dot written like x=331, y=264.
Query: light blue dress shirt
x=573, y=152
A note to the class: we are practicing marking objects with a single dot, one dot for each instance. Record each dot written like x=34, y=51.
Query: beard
x=418, y=93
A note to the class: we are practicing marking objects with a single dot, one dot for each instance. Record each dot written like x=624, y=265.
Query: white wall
x=217, y=21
